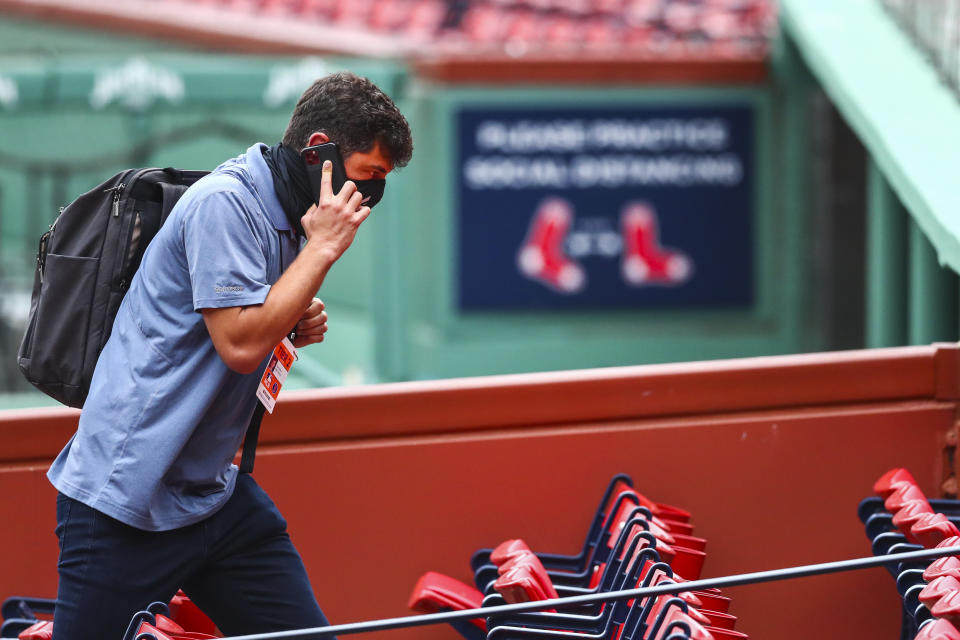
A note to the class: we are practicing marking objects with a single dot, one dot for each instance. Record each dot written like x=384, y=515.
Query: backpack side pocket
x=58, y=339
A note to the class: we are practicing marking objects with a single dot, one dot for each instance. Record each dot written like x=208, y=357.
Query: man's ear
x=317, y=137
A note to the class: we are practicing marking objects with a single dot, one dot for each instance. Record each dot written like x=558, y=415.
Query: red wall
x=382, y=483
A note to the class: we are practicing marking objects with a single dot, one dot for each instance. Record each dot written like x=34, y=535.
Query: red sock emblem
x=645, y=261
x=542, y=256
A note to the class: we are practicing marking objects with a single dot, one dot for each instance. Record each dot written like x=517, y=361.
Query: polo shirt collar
x=263, y=183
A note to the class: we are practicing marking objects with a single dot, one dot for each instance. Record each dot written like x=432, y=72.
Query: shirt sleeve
x=225, y=253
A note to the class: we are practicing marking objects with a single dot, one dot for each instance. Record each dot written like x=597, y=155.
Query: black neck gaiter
x=290, y=181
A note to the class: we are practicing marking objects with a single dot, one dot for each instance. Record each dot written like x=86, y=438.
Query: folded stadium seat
x=719, y=620
x=886, y=483
x=599, y=620
x=660, y=578
x=938, y=630
x=524, y=567
x=508, y=552
x=524, y=579
x=909, y=514
x=663, y=511
x=578, y=561
x=686, y=562
x=945, y=566
x=672, y=623
x=662, y=618
x=618, y=485
x=928, y=588
x=436, y=592
x=42, y=630
x=521, y=591
x=627, y=504
x=623, y=549
x=717, y=623
x=690, y=562
x=932, y=529
x=519, y=584
x=20, y=613
x=651, y=574
x=608, y=617
x=523, y=576
x=713, y=601
x=189, y=616
x=937, y=589
x=948, y=608
x=903, y=494
x=156, y=623
x=602, y=555
x=180, y=619
x=615, y=503
x=726, y=634
x=624, y=568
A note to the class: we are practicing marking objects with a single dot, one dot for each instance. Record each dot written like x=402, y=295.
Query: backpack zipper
x=117, y=191
x=42, y=249
x=118, y=281
x=42, y=253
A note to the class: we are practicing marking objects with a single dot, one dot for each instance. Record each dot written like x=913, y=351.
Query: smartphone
x=314, y=157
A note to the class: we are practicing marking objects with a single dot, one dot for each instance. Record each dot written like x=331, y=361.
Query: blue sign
x=605, y=208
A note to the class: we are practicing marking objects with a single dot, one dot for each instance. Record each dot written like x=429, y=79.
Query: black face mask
x=372, y=190
x=292, y=185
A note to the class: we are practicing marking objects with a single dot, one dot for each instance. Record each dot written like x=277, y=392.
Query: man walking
x=149, y=500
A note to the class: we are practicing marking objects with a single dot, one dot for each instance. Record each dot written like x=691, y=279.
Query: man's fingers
x=326, y=180
x=312, y=334
x=346, y=192
x=355, y=200
x=316, y=306
x=301, y=342
x=310, y=322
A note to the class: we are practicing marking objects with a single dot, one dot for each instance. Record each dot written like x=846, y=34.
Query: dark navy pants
x=239, y=566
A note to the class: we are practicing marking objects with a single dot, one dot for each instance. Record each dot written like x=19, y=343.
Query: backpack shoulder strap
x=171, y=193
x=250, y=439
x=171, y=189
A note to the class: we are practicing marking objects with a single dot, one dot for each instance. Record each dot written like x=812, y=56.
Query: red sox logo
x=543, y=257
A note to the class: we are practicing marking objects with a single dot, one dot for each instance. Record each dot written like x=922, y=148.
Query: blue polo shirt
x=165, y=415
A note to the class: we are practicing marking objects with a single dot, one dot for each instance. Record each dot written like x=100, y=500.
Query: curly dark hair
x=354, y=113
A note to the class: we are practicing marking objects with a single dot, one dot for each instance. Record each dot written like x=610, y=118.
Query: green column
x=933, y=294
x=801, y=319
x=886, y=263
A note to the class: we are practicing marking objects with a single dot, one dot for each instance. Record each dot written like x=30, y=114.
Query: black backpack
x=85, y=263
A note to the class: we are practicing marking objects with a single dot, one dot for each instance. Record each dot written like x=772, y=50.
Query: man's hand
x=331, y=224
x=244, y=336
x=312, y=325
